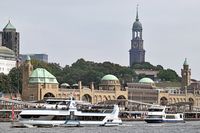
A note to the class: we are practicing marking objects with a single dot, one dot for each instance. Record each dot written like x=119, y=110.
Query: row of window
x=64, y=117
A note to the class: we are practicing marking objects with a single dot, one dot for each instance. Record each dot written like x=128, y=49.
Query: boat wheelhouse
x=71, y=113
x=159, y=114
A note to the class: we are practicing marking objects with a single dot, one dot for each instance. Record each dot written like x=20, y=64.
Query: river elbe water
x=126, y=127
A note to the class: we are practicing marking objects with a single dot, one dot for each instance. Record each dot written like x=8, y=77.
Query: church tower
x=186, y=74
x=137, y=53
x=10, y=38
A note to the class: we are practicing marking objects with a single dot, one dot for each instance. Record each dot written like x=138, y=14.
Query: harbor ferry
x=160, y=114
x=70, y=113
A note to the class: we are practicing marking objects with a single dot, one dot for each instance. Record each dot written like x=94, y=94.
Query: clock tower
x=186, y=74
x=137, y=53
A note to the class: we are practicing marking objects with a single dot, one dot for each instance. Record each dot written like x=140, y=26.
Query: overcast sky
x=100, y=30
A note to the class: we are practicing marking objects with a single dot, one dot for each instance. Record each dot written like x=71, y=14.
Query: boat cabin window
x=181, y=116
x=170, y=116
x=154, y=116
x=53, y=102
x=31, y=116
x=155, y=110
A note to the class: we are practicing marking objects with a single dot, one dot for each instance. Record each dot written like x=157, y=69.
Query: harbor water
x=126, y=127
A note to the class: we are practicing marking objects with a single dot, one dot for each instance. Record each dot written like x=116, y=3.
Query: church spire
x=137, y=52
x=185, y=62
x=137, y=19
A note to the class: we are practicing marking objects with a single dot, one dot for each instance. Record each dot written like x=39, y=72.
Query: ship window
x=155, y=110
x=60, y=117
x=90, y=118
x=25, y=116
x=154, y=116
x=170, y=117
x=31, y=116
x=108, y=111
x=181, y=116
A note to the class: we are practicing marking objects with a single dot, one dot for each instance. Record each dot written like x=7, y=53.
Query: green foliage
x=5, y=83
x=168, y=75
x=159, y=67
x=15, y=76
x=85, y=71
x=88, y=71
x=11, y=83
x=145, y=65
x=53, y=68
x=164, y=75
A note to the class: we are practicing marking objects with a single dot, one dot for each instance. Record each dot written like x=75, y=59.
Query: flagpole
x=13, y=112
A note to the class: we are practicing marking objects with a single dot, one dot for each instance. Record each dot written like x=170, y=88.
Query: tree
x=5, y=83
x=15, y=76
x=168, y=75
x=159, y=67
x=144, y=65
x=85, y=71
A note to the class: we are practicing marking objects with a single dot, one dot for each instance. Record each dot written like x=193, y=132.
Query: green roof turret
x=9, y=26
x=28, y=58
x=41, y=75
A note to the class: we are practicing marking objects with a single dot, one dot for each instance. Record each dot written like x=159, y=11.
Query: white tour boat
x=159, y=114
x=70, y=113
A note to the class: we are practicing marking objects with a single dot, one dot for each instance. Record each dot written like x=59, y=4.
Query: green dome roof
x=41, y=75
x=75, y=85
x=146, y=80
x=28, y=58
x=6, y=51
x=65, y=85
x=9, y=26
x=109, y=77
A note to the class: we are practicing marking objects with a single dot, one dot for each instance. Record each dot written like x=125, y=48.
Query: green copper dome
x=146, y=80
x=41, y=75
x=9, y=26
x=109, y=77
x=75, y=85
x=65, y=84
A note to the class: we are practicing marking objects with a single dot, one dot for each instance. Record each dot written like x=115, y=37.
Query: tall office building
x=39, y=57
x=137, y=52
